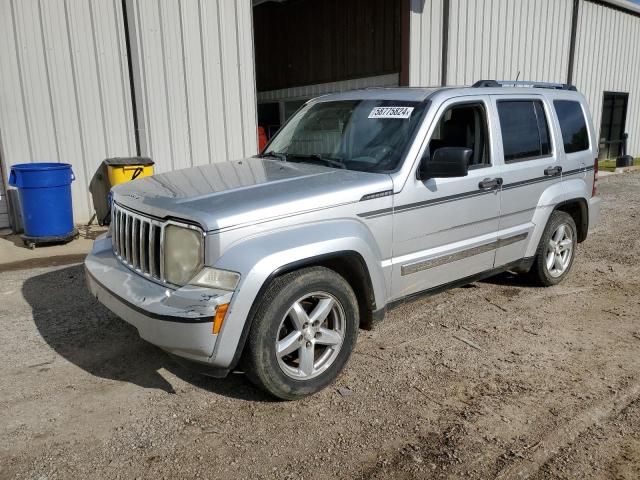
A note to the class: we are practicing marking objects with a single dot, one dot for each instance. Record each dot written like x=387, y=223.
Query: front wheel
x=303, y=333
x=556, y=250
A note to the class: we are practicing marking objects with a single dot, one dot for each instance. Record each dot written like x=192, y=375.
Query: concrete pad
x=15, y=256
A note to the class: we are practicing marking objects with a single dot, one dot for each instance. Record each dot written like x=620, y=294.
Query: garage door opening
x=306, y=48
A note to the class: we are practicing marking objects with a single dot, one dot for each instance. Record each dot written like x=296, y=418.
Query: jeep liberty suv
x=362, y=200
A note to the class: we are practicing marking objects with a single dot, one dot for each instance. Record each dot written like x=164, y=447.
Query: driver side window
x=464, y=125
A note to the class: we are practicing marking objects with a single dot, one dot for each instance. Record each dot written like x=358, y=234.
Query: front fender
x=257, y=258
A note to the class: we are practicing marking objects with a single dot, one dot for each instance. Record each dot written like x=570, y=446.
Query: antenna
x=518, y=76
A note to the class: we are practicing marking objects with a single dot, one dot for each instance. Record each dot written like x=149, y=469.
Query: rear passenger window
x=573, y=126
x=525, y=130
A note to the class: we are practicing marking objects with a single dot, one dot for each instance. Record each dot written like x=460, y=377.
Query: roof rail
x=511, y=83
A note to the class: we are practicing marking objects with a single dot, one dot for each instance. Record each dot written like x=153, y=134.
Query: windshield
x=366, y=135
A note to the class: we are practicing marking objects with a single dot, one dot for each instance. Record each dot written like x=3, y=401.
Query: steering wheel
x=381, y=154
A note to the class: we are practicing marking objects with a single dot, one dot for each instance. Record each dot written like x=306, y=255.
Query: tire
x=551, y=255
x=312, y=354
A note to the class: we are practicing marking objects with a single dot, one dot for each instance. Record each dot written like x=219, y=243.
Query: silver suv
x=361, y=200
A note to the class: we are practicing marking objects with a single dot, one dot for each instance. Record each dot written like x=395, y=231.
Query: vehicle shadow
x=510, y=279
x=85, y=333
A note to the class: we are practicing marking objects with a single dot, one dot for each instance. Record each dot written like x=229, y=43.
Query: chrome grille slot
x=137, y=241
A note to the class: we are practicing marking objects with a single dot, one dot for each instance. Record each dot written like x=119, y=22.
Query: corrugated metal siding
x=65, y=95
x=608, y=59
x=194, y=66
x=425, y=43
x=310, y=91
x=496, y=39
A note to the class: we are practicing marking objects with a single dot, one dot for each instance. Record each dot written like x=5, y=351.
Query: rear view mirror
x=446, y=162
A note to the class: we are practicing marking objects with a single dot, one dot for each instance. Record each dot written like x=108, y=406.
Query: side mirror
x=445, y=162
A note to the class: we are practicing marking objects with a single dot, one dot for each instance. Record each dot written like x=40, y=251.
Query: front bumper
x=178, y=321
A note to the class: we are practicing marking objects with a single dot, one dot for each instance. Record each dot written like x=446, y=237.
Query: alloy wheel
x=559, y=250
x=310, y=336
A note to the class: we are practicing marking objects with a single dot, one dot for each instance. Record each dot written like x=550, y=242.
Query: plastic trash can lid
x=124, y=161
x=35, y=166
x=40, y=175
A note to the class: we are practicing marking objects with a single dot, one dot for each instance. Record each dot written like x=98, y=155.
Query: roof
x=408, y=94
x=419, y=94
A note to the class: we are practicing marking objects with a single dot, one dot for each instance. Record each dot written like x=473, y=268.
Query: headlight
x=183, y=254
x=216, y=278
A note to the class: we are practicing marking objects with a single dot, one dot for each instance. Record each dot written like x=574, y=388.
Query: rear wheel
x=556, y=250
x=303, y=332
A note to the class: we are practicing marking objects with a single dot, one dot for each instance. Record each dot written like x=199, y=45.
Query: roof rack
x=512, y=83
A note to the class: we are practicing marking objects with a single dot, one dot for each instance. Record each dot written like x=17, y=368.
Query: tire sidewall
x=269, y=315
x=557, y=218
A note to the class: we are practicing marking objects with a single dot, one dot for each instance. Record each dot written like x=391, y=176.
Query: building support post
x=445, y=42
x=572, y=42
x=405, y=42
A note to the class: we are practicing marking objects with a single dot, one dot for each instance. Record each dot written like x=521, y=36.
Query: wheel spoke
x=559, y=235
x=550, y=259
x=288, y=344
x=565, y=244
x=298, y=316
x=306, y=360
x=558, y=263
x=322, y=310
x=552, y=244
x=328, y=337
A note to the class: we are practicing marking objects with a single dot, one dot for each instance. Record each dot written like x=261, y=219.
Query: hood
x=247, y=191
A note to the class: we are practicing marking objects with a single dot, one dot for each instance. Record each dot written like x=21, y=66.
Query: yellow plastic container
x=125, y=169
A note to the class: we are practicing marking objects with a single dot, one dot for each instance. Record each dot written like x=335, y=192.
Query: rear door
x=530, y=166
x=578, y=156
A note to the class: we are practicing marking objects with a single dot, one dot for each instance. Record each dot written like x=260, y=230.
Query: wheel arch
x=348, y=263
x=352, y=267
x=345, y=246
x=578, y=208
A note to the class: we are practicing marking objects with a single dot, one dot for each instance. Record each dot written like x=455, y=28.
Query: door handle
x=553, y=171
x=490, y=183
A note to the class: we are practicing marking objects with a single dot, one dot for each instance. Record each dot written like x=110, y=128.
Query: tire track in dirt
x=556, y=440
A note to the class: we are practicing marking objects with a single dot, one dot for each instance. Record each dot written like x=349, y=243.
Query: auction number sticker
x=391, y=112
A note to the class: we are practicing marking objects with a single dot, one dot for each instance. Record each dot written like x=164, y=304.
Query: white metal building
x=186, y=82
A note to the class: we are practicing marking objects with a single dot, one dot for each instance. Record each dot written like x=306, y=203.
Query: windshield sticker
x=391, y=112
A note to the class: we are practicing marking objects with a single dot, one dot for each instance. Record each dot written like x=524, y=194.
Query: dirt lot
x=553, y=391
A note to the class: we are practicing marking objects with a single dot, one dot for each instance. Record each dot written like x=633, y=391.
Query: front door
x=444, y=229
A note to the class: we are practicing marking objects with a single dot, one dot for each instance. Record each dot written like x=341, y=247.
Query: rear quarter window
x=573, y=125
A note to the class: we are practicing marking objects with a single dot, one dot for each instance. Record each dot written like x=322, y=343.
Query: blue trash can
x=45, y=197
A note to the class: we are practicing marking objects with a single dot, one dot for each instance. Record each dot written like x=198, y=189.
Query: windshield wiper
x=332, y=162
x=279, y=155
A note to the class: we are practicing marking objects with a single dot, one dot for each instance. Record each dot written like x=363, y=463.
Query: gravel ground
x=552, y=392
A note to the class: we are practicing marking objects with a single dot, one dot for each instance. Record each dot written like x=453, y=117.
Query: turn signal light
x=221, y=312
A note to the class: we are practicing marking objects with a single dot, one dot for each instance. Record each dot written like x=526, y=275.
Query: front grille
x=137, y=242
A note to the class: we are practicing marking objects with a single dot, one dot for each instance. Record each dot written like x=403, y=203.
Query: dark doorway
x=269, y=117
x=614, y=117
x=306, y=42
